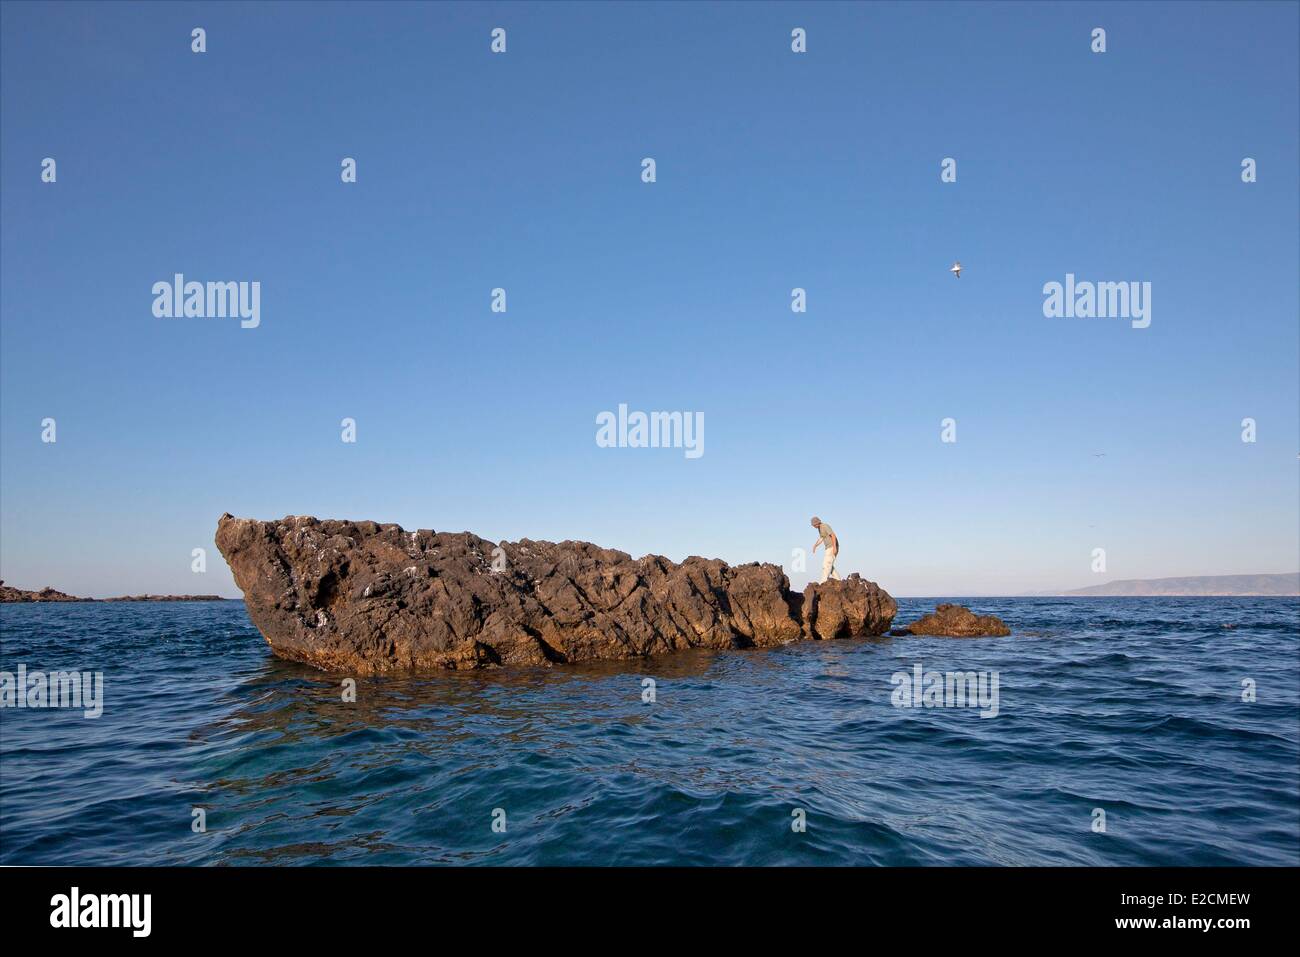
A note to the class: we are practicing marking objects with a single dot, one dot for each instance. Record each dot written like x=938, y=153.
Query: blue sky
x=775, y=170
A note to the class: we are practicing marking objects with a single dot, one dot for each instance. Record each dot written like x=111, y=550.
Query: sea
x=1103, y=731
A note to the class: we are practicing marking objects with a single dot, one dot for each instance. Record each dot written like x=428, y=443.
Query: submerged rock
x=366, y=598
x=956, y=621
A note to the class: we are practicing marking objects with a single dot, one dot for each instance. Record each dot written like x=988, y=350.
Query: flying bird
x=955, y=269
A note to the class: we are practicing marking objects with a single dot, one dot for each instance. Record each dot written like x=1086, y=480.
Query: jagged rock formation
x=369, y=598
x=845, y=609
x=956, y=621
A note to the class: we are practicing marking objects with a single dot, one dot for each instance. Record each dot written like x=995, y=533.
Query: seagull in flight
x=955, y=269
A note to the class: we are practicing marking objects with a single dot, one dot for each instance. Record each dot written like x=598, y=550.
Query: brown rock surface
x=366, y=598
x=957, y=621
x=846, y=609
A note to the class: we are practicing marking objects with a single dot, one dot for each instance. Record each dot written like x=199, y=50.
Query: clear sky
x=775, y=170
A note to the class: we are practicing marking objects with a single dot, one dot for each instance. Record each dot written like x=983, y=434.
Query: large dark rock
x=846, y=609
x=365, y=598
x=957, y=621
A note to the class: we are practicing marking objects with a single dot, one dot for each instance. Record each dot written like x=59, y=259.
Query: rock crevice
x=369, y=598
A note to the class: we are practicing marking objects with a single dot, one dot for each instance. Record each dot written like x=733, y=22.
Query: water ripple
x=1133, y=707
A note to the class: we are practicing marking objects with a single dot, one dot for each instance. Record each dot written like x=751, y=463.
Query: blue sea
x=1124, y=713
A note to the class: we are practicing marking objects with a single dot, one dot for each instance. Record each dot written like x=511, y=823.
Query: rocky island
x=367, y=598
x=10, y=594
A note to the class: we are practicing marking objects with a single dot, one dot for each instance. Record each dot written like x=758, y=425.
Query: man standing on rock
x=827, y=537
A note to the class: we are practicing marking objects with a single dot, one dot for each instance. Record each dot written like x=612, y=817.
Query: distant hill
x=1288, y=584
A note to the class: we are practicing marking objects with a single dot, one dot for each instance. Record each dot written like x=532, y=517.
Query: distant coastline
x=1207, y=586
x=9, y=594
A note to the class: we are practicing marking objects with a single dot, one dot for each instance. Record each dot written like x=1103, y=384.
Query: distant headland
x=10, y=594
x=1197, y=585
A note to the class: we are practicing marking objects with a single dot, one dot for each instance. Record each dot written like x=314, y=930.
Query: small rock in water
x=956, y=621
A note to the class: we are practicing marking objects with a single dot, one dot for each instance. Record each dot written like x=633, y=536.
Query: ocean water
x=1128, y=706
